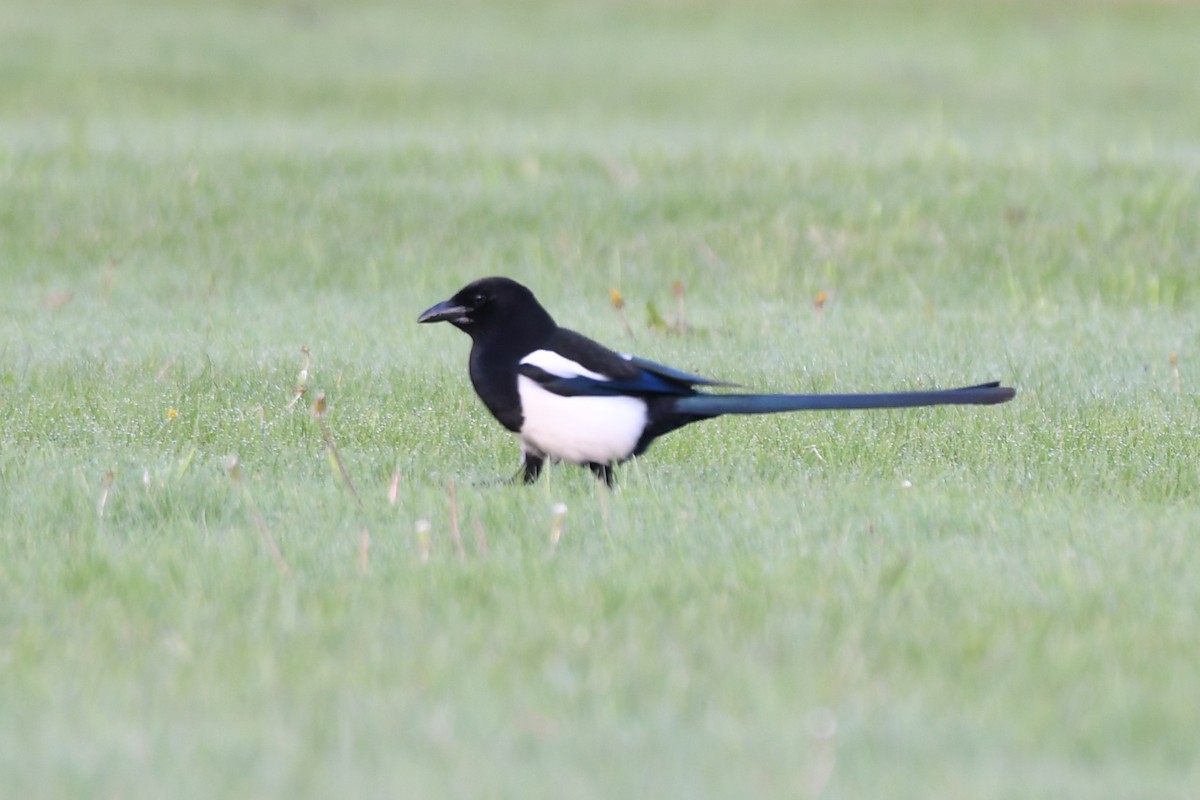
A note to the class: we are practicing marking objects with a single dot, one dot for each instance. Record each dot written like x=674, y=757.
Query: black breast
x=494, y=377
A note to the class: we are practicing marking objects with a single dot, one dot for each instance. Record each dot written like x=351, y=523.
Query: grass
x=974, y=603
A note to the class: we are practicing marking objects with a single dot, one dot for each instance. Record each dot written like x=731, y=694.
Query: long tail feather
x=712, y=405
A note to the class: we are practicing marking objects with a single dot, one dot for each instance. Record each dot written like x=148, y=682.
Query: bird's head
x=487, y=304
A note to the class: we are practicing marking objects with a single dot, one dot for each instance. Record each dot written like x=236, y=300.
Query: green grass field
x=949, y=603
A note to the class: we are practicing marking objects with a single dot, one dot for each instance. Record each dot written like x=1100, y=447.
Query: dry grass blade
x=364, y=550
x=455, y=534
x=105, y=491
x=318, y=408
x=235, y=474
x=302, y=378
x=481, y=540
x=556, y=528
x=618, y=302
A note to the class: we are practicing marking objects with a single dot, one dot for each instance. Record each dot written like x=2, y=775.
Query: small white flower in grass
x=423, y=540
x=821, y=723
x=177, y=646
x=560, y=516
x=906, y=484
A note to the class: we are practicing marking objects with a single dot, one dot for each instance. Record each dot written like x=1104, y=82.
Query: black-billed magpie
x=569, y=398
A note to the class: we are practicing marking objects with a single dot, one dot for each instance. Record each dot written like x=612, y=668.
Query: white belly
x=579, y=429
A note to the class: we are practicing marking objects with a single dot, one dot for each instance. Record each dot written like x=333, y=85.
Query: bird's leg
x=528, y=472
x=531, y=467
x=604, y=472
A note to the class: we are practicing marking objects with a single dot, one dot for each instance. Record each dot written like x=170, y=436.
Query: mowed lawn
x=962, y=603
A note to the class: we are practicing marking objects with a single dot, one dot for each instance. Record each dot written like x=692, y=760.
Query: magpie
x=568, y=398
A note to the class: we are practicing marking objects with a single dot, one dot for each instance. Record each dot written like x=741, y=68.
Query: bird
x=571, y=399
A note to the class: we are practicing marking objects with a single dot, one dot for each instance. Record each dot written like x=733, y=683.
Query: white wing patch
x=560, y=365
x=577, y=429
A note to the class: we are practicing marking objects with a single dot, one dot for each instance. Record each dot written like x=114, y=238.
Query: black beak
x=445, y=311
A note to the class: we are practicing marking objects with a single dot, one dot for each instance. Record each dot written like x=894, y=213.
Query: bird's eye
x=478, y=299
